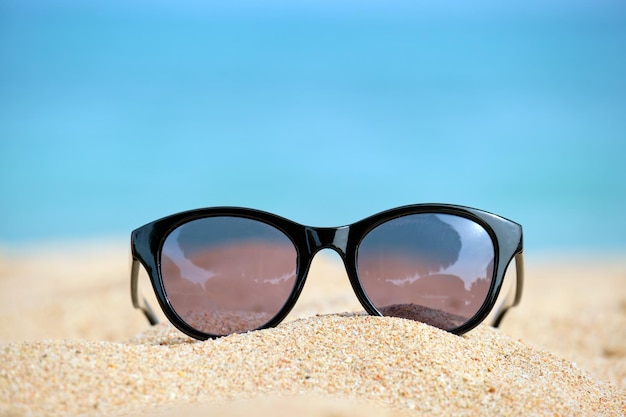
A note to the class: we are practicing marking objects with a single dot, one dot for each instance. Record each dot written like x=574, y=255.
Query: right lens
x=227, y=274
x=433, y=268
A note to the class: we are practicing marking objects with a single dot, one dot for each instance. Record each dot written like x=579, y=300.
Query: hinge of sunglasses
x=134, y=291
x=148, y=312
x=517, y=296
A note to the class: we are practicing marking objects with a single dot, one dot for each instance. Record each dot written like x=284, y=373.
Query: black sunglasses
x=223, y=270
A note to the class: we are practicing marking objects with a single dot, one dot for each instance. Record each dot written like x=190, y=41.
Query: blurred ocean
x=114, y=114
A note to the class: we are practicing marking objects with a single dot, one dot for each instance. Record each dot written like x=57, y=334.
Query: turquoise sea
x=113, y=114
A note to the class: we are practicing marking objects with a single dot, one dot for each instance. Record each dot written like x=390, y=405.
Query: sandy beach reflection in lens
x=227, y=274
x=434, y=268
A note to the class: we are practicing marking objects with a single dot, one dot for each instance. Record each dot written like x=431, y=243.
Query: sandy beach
x=71, y=344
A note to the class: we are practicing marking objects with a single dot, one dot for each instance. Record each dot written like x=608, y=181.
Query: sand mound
x=71, y=344
x=392, y=363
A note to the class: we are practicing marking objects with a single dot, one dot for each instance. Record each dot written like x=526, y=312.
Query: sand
x=71, y=344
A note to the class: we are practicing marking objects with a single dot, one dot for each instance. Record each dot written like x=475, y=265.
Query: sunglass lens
x=226, y=275
x=433, y=268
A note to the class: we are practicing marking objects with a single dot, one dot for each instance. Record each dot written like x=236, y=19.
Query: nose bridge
x=327, y=237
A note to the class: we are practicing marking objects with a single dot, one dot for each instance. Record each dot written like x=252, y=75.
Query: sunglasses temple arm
x=519, y=285
x=134, y=293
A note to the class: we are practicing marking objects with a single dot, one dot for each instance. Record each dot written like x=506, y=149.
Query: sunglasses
x=223, y=270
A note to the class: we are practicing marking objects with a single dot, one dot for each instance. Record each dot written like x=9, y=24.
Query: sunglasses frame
x=147, y=243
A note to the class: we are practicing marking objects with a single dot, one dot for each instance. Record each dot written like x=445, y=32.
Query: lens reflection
x=433, y=268
x=225, y=275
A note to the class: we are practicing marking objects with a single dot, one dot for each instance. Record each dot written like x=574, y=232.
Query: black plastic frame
x=147, y=242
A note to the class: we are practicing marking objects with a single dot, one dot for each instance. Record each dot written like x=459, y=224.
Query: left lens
x=227, y=274
x=433, y=268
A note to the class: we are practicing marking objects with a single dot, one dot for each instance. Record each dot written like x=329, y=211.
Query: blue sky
x=115, y=113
